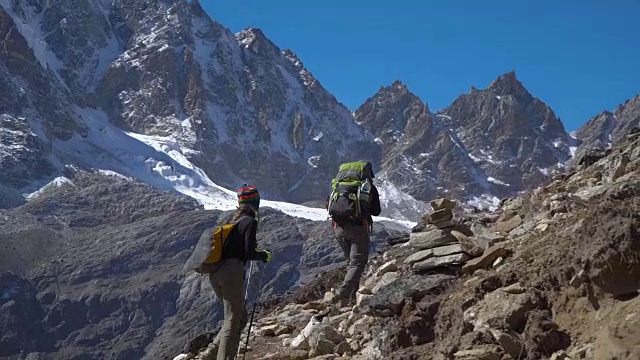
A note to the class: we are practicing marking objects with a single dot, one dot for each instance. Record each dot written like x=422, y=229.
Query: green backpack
x=350, y=198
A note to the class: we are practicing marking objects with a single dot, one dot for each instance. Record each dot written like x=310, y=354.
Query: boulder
x=342, y=348
x=438, y=251
x=447, y=224
x=398, y=252
x=418, y=256
x=385, y=280
x=485, y=237
x=301, y=341
x=313, y=305
x=486, y=260
x=269, y=330
x=513, y=204
x=389, y=300
x=442, y=203
x=468, y=245
x=389, y=266
x=284, y=330
x=402, y=238
x=430, y=239
x=499, y=309
x=436, y=262
x=439, y=216
x=617, y=168
x=321, y=347
x=515, y=288
x=362, y=300
x=324, y=332
x=508, y=225
x=481, y=352
x=509, y=341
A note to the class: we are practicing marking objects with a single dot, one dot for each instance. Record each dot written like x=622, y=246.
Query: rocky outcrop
x=20, y=315
x=514, y=138
x=539, y=290
x=609, y=128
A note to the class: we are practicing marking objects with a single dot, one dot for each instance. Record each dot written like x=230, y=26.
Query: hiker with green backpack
x=222, y=253
x=352, y=203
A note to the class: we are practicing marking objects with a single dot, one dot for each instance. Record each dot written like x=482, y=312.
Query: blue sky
x=580, y=57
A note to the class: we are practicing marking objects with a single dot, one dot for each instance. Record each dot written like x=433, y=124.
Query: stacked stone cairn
x=442, y=241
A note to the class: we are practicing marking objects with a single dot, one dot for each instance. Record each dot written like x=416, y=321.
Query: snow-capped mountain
x=158, y=91
x=488, y=144
x=239, y=107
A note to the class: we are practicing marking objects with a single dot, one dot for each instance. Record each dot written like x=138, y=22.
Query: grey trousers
x=354, y=241
x=228, y=283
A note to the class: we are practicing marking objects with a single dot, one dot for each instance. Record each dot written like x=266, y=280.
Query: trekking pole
x=253, y=312
x=246, y=291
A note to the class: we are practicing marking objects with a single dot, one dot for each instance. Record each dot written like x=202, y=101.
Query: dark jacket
x=374, y=210
x=241, y=243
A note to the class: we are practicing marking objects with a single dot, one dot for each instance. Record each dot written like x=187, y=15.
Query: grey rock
x=385, y=280
x=501, y=308
x=439, y=216
x=342, y=348
x=482, y=352
x=441, y=261
x=390, y=299
x=469, y=244
x=442, y=203
x=322, y=347
x=489, y=256
x=508, y=225
x=438, y=251
x=430, y=239
x=324, y=332
x=484, y=236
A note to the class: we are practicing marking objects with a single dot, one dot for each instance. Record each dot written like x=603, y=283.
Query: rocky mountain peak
x=255, y=39
x=609, y=127
x=631, y=105
x=196, y=8
x=387, y=113
x=293, y=58
x=514, y=137
x=508, y=84
x=397, y=84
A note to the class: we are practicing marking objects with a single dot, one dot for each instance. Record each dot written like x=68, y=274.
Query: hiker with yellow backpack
x=222, y=253
x=352, y=203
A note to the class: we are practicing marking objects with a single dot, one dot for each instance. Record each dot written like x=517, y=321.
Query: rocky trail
x=551, y=274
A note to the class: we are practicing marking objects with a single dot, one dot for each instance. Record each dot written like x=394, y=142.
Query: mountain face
x=609, y=128
x=494, y=141
x=240, y=108
x=206, y=107
x=513, y=136
x=118, y=100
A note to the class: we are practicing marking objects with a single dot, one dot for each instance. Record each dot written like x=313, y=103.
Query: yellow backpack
x=220, y=234
x=208, y=250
